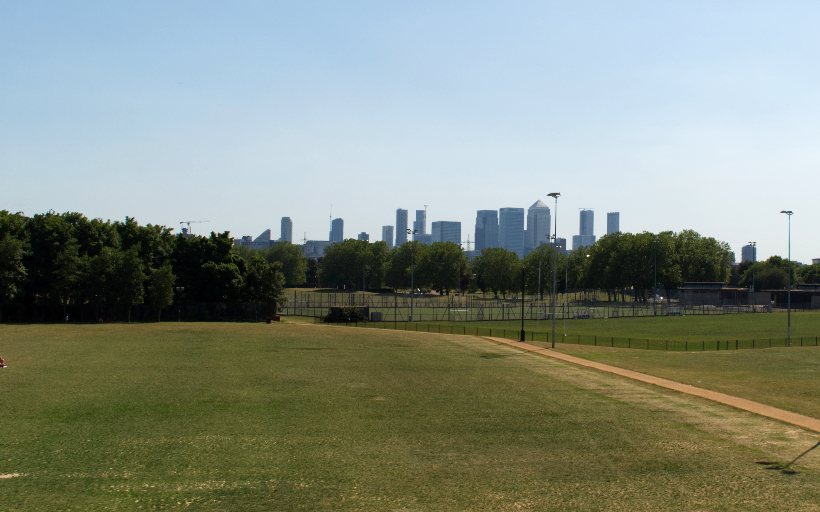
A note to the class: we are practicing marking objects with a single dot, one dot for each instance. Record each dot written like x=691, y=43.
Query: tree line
x=61, y=260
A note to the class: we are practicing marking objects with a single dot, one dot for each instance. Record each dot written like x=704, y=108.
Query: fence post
x=736, y=344
x=596, y=340
x=629, y=345
x=613, y=341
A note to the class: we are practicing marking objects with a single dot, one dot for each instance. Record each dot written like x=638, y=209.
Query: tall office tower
x=387, y=236
x=363, y=237
x=538, y=225
x=444, y=231
x=421, y=222
x=486, y=230
x=337, y=230
x=613, y=222
x=586, y=236
x=748, y=253
x=587, y=223
x=401, y=227
x=511, y=230
x=287, y=230
x=561, y=245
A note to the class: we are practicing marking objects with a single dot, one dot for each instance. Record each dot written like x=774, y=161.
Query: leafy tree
x=702, y=259
x=809, y=274
x=499, y=270
x=12, y=271
x=440, y=266
x=161, y=288
x=68, y=268
x=399, y=263
x=129, y=279
x=100, y=278
x=540, y=262
x=772, y=274
x=346, y=263
x=265, y=282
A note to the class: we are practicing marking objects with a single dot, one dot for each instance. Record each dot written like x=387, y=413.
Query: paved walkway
x=740, y=403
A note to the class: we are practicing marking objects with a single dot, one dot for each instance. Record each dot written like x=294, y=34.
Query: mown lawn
x=297, y=417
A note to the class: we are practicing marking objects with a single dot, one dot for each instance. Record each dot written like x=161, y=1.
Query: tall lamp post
x=789, y=282
x=412, y=268
x=655, y=242
x=754, y=260
x=523, y=334
x=554, y=195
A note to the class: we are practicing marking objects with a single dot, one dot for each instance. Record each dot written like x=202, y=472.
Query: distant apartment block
x=444, y=231
x=424, y=239
x=538, y=225
x=387, y=236
x=263, y=241
x=561, y=245
x=401, y=226
x=749, y=253
x=511, y=230
x=287, y=230
x=613, y=222
x=363, y=236
x=815, y=261
x=337, y=230
x=315, y=249
x=486, y=230
x=579, y=241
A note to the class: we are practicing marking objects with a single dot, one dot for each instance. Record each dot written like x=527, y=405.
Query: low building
x=315, y=249
x=263, y=241
x=363, y=236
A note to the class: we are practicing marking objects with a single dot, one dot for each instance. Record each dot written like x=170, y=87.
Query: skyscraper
x=444, y=231
x=401, y=226
x=337, y=230
x=486, y=230
x=587, y=223
x=586, y=236
x=363, y=237
x=748, y=253
x=387, y=236
x=421, y=222
x=613, y=222
x=287, y=230
x=511, y=230
x=538, y=225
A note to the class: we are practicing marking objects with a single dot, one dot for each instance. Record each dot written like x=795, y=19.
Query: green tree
x=809, y=274
x=161, y=288
x=68, y=267
x=100, y=279
x=265, y=282
x=440, y=266
x=12, y=271
x=498, y=269
x=130, y=278
x=539, y=262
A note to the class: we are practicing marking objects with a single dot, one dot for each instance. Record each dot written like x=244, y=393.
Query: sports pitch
x=300, y=417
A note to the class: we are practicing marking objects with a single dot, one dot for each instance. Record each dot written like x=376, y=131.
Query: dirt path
x=740, y=403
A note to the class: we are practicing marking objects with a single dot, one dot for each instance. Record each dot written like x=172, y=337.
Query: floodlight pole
x=789, y=283
x=654, y=290
x=754, y=260
x=412, y=267
x=523, y=334
x=554, y=195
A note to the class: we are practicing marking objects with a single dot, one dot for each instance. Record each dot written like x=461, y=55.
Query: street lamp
x=655, y=242
x=754, y=260
x=523, y=334
x=554, y=195
x=412, y=268
x=789, y=282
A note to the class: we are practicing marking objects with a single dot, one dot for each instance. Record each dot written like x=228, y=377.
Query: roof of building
x=538, y=204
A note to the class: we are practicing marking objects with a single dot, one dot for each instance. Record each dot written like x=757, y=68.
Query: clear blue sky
x=700, y=115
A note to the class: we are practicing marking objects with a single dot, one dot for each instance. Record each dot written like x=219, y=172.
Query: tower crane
x=189, y=222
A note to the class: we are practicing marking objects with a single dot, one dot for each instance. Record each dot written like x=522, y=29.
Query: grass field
x=297, y=417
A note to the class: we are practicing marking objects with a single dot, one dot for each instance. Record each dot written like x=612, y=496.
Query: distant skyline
x=696, y=115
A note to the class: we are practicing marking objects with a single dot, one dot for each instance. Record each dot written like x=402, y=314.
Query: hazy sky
x=700, y=115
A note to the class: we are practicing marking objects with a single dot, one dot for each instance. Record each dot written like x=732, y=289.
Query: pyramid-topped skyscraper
x=538, y=225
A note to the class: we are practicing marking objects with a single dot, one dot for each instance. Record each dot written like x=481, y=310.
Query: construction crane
x=189, y=222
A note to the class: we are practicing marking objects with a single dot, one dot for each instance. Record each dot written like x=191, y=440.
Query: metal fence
x=592, y=340
x=397, y=308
